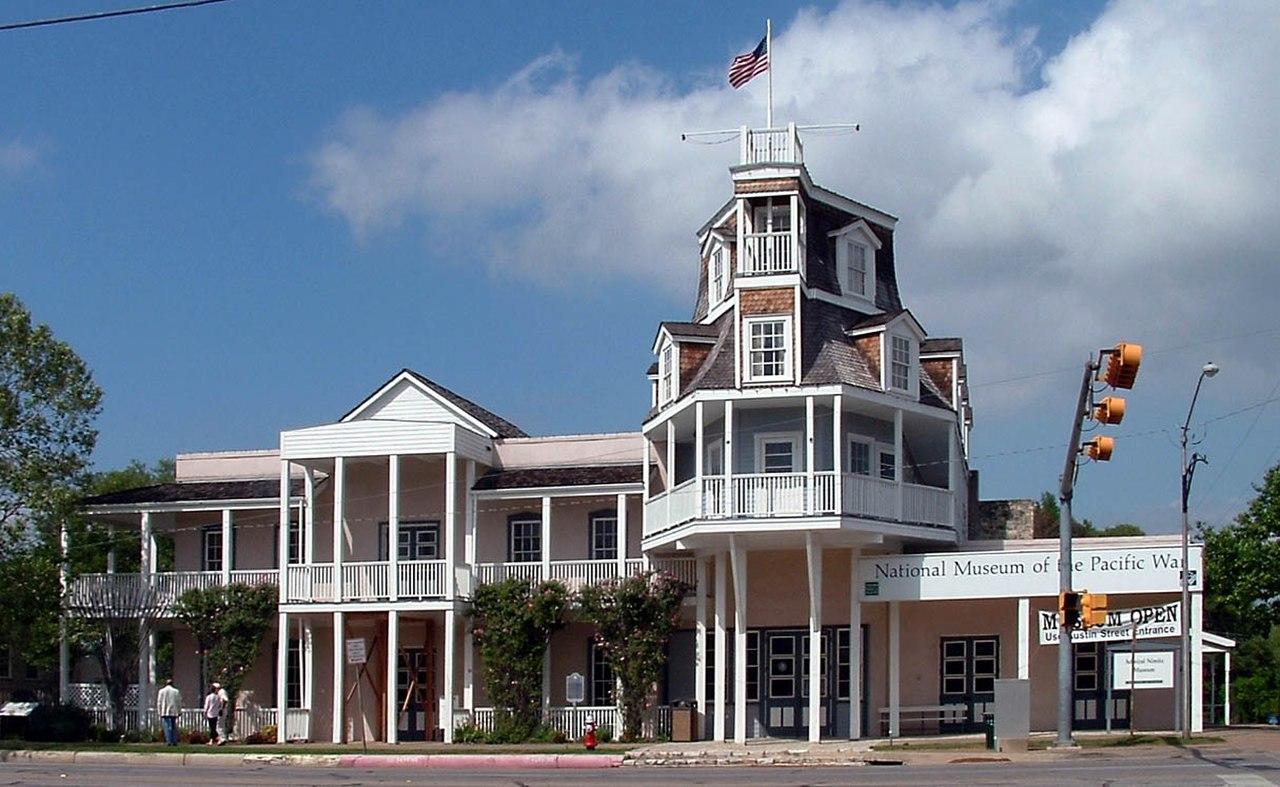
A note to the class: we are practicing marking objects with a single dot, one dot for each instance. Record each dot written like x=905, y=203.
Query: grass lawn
x=354, y=748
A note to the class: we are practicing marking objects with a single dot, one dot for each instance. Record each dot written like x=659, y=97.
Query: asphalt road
x=1222, y=767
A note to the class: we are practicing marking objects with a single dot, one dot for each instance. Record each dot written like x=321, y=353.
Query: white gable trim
x=406, y=375
x=858, y=226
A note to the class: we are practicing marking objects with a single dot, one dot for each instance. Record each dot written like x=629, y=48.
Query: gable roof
x=490, y=422
x=942, y=344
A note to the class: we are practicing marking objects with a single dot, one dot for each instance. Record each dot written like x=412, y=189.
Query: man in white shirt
x=213, y=711
x=169, y=708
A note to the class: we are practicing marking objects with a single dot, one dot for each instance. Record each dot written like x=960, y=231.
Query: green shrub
x=470, y=733
x=58, y=724
x=194, y=737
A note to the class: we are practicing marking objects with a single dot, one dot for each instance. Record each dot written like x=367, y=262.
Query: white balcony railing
x=365, y=581
x=496, y=572
x=88, y=593
x=313, y=582
x=761, y=495
x=768, y=253
x=421, y=578
x=772, y=146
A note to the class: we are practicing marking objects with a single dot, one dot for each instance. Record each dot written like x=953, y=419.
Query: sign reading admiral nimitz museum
x=961, y=575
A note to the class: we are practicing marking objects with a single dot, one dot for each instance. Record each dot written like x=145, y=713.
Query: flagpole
x=768, y=50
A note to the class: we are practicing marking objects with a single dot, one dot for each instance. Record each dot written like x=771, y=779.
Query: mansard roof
x=195, y=492
x=543, y=477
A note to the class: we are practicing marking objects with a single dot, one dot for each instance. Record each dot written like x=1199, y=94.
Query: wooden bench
x=926, y=716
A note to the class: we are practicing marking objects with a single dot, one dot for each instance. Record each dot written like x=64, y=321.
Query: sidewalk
x=496, y=761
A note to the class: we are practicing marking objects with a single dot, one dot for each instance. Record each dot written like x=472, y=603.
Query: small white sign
x=1142, y=670
x=356, y=651
x=1154, y=622
x=575, y=688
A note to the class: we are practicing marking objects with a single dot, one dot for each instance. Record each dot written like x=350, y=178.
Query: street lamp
x=1188, y=471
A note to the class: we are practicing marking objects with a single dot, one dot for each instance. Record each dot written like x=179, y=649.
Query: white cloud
x=1125, y=187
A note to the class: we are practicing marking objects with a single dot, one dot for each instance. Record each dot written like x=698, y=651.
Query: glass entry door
x=415, y=694
x=785, y=706
x=970, y=666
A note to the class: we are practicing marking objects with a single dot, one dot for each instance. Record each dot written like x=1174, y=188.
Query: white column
x=282, y=678
x=469, y=556
x=953, y=476
x=855, y=647
x=393, y=529
x=699, y=450
x=1226, y=702
x=546, y=538
x=837, y=450
x=309, y=671
x=1024, y=639
x=809, y=446
x=450, y=645
x=64, y=646
x=144, y=556
x=144, y=642
x=671, y=464
x=469, y=517
x=648, y=449
x=700, y=648
x=228, y=537
x=729, y=503
x=897, y=462
x=895, y=668
x=111, y=548
x=813, y=553
x=339, y=677
x=309, y=525
x=393, y=663
x=451, y=536
x=718, y=684
x=621, y=535
x=339, y=522
x=546, y=680
x=1197, y=662
x=282, y=550
x=739, y=559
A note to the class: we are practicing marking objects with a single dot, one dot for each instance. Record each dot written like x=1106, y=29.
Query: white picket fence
x=248, y=720
x=572, y=721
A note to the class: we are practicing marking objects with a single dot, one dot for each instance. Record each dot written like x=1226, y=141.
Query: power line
x=107, y=14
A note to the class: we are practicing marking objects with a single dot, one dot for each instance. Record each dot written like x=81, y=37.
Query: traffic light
x=1099, y=448
x=1093, y=609
x=1109, y=411
x=1122, y=366
x=1069, y=608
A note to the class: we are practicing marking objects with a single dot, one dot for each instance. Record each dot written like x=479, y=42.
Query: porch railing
x=422, y=578
x=768, y=253
x=87, y=590
x=496, y=572
x=927, y=504
x=772, y=146
x=866, y=495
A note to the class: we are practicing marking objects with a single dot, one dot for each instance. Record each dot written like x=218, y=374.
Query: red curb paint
x=481, y=761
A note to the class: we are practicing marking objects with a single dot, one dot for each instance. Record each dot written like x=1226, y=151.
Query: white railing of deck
x=168, y=585
x=769, y=494
x=365, y=581
x=713, y=500
x=254, y=576
x=928, y=504
x=767, y=253
x=421, y=578
x=314, y=582
x=576, y=574
x=496, y=572
x=824, y=493
x=655, y=513
x=772, y=146
x=683, y=501
x=298, y=724
x=682, y=568
x=866, y=495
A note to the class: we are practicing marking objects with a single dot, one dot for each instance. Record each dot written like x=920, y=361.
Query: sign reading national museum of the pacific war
x=964, y=575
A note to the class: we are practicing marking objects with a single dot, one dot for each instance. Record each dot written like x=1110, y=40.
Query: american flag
x=744, y=67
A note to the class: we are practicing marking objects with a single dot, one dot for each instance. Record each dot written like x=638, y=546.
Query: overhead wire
x=94, y=16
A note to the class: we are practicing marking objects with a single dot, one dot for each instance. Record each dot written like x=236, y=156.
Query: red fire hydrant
x=589, y=739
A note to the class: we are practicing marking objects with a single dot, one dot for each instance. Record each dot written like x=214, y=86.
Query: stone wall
x=1004, y=519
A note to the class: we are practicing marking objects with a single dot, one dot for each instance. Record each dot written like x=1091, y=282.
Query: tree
x=634, y=620
x=512, y=622
x=1242, y=596
x=1048, y=517
x=48, y=402
x=229, y=623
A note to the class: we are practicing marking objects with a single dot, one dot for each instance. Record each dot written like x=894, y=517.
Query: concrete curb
x=451, y=761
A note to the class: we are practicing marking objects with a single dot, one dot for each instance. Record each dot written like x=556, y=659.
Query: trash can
x=682, y=716
x=989, y=726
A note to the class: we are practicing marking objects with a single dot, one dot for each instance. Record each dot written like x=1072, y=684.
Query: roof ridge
x=497, y=423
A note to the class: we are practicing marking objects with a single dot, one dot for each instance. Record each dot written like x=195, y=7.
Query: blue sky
x=246, y=216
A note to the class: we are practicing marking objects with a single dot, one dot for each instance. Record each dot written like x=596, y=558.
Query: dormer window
x=855, y=273
x=856, y=247
x=666, y=372
x=716, y=290
x=768, y=349
x=900, y=363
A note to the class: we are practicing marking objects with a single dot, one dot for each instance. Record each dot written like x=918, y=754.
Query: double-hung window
x=900, y=363
x=777, y=453
x=717, y=288
x=888, y=464
x=855, y=268
x=293, y=676
x=601, y=686
x=668, y=372
x=418, y=540
x=524, y=544
x=211, y=548
x=604, y=535
x=860, y=453
x=768, y=343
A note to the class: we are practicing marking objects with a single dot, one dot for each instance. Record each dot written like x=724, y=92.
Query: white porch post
x=671, y=464
x=1024, y=638
x=469, y=545
x=837, y=450
x=953, y=476
x=451, y=536
x=228, y=537
x=393, y=532
x=700, y=648
x=718, y=683
x=699, y=443
x=282, y=678
x=144, y=642
x=339, y=677
x=309, y=672
x=810, y=492
x=309, y=525
x=282, y=551
x=393, y=664
x=855, y=647
x=895, y=668
x=897, y=462
x=621, y=535
x=450, y=645
x=111, y=548
x=339, y=525
x=730, y=506
x=64, y=647
x=739, y=559
x=1226, y=703
x=813, y=553
x=546, y=538
x=1197, y=662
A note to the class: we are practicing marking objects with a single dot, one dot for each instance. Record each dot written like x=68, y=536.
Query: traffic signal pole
x=1066, y=684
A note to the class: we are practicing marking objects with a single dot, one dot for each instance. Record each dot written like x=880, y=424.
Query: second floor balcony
x=112, y=594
